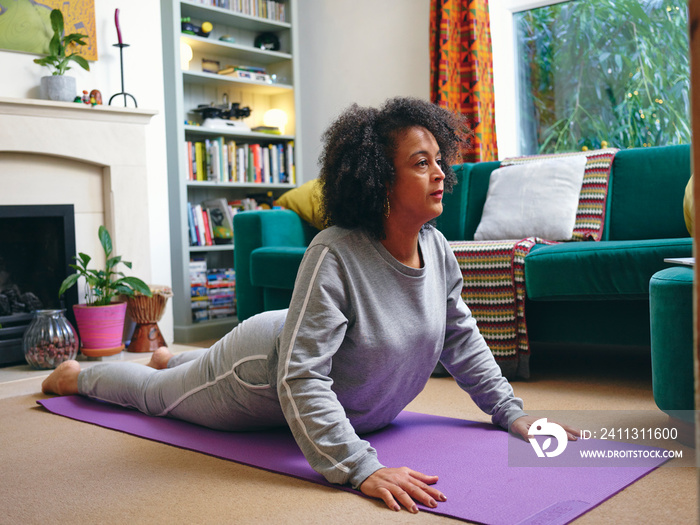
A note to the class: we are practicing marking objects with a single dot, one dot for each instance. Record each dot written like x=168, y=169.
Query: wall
x=504, y=79
x=143, y=77
x=362, y=51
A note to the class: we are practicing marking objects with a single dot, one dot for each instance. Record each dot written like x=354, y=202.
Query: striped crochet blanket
x=494, y=271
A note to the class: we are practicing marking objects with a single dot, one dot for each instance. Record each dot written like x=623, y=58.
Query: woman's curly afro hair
x=357, y=166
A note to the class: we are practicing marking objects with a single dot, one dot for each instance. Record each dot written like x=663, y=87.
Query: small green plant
x=57, y=59
x=102, y=286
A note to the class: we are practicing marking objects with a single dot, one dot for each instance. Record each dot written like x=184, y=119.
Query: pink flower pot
x=100, y=328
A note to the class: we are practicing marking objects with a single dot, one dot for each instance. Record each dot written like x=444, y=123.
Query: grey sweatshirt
x=361, y=339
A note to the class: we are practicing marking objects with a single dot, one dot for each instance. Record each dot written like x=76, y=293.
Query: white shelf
x=198, y=77
x=214, y=248
x=253, y=135
x=259, y=186
x=244, y=53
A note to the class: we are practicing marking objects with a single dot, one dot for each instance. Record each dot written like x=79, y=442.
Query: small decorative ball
x=207, y=27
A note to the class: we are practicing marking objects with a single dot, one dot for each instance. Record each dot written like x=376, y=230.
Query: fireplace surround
x=93, y=158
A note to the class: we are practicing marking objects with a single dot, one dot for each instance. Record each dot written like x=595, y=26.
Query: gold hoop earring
x=387, y=209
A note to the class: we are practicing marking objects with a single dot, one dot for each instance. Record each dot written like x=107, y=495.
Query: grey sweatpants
x=224, y=387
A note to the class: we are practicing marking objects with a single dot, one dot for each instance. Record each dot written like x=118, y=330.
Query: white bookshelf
x=185, y=89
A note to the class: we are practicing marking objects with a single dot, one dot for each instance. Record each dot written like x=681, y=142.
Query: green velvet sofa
x=577, y=292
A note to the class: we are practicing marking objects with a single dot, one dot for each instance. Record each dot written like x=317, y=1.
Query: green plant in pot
x=58, y=86
x=101, y=320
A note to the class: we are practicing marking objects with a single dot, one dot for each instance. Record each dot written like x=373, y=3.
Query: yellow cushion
x=689, y=206
x=305, y=201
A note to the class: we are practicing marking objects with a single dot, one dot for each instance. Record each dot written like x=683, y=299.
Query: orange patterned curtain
x=461, y=70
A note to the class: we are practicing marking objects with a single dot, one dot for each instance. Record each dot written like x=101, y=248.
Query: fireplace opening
x=37, y=245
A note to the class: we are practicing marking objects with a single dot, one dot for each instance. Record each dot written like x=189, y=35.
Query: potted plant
x=58, y=86
x=101, y=320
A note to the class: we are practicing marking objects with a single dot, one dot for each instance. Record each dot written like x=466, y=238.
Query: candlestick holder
x=121, y=64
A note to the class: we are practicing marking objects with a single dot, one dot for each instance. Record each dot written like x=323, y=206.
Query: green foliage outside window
x=604, y=73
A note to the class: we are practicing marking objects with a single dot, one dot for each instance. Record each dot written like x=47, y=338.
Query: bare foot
x=64, y=380
x=160, y=358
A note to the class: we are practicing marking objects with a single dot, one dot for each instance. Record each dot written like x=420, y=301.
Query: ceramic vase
x=100, y=328
x=57, y=87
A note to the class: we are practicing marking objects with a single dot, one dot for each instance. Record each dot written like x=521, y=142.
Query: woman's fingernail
x=397, y=508
x=443, y=497
x=432, y=503
x=414, y=509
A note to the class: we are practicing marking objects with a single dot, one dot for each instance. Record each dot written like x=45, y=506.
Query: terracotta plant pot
x=100, y=328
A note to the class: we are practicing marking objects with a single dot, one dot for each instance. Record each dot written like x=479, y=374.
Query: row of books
x=222, y=160
x=211, y=222
x=270, y=9
x=213, y=291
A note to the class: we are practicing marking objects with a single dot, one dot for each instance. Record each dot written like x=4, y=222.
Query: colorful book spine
x=257, y=163
x=231, y=151
x=200, y=161
x=199, y=222
x=208, y=241
x=274, y=163
x=241, y=163
x=188, y=161
x=290, y=163
x=250, y=171
x=191, y=224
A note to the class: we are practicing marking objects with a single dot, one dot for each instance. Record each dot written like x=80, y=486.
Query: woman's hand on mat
x=522, y=426
x=405, y=485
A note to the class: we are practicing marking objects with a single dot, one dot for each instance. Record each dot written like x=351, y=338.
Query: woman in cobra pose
x=376, y=306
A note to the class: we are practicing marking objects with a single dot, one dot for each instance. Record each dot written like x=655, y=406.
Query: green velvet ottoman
x=671, y=310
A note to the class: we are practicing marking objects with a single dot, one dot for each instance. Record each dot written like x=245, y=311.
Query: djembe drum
x=146, y=312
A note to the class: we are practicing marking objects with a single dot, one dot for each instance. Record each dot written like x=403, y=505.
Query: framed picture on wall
x=25, y=25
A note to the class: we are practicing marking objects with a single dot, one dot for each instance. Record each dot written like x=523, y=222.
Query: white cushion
x=533, y=199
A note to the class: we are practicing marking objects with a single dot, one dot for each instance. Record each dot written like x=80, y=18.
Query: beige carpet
x=55, y=470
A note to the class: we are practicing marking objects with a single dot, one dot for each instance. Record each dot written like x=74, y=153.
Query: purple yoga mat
x=470, y=458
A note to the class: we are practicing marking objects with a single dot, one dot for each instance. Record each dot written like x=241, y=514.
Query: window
x=599, y=73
